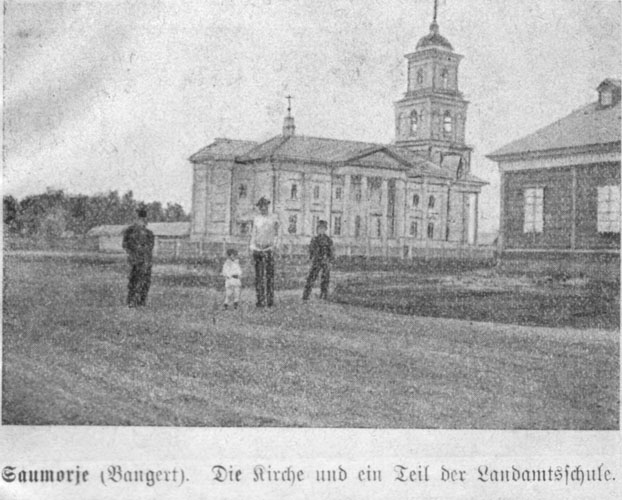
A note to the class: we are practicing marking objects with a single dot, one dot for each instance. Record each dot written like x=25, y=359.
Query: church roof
x=590, y=125
x=433, y=39
x=306, y=148
x=325, y=150
x=222, y=149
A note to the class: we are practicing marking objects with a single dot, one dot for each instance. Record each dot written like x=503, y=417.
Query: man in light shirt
x=264, y=243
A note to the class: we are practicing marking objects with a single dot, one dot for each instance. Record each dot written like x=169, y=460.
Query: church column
x=228, y=198
x=384, y=197
x=400, y=212
x=424, y=211
x=305, y=205
x=346, y=197
x=364, y=212
x=476, y=221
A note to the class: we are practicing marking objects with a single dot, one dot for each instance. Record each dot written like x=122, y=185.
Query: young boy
x=321, y=255
x=232, y=272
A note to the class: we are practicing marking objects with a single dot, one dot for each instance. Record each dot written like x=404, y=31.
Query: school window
x=338, y=193
x=431, y=202
x=337, y=225
x=430, y=230
x=413, y=228
x=415, y=200
x=357, y=226
x=316, y=192
x=242, y=191
x=293, y=192
x=292, y=228
x=243, y=227
x=533, y=216
x=608, y=214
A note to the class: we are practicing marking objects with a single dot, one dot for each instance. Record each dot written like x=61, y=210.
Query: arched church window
x=413, y=228
x=431, y=201
x=460, y=170
x=404, y=124
x=445, y=78
x=293, y=193
x=414, y=121
x=420, y=77
x=447, y=122
x=415, y=200
x=430, y=230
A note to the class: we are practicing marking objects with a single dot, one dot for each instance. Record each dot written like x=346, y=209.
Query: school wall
x=558, y=207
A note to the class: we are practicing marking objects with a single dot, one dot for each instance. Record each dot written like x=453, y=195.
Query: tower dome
x=434, y=39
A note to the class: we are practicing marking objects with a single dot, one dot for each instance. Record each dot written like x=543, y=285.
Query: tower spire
x=434, y=25
x=289, y=128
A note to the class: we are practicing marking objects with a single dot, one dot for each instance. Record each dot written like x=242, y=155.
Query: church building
x=378, y=199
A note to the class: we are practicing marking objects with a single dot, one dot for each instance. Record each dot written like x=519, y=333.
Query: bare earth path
x=73, y=354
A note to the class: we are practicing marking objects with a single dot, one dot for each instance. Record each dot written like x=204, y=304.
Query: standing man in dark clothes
x=321, y=255
x=138, y=243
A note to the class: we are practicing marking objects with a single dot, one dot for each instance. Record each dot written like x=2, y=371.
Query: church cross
x=435, y=9
x=289, y=104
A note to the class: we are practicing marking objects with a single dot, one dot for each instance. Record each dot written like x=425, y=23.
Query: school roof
x=170, y=229
x=590, y=125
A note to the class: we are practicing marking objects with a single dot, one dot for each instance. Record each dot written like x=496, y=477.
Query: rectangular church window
x=337, y=225
x=293, y=193
x=292, y=228
x=430, y=230
x=316, y=192
x=338, y=193
x=608, y=213
x=243, y=227
x=356, y=188
x=242, y=191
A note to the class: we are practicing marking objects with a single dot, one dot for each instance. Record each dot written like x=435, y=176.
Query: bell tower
x=430, y=119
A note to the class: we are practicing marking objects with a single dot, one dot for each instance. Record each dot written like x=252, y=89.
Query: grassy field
x=73, y=354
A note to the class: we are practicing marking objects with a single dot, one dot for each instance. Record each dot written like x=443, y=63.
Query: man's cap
x=263, y=201
x=142, y=213
x=322, y=223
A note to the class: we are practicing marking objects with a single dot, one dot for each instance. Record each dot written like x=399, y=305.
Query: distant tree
x=53, y=213
x=9, y=210
x=174, y=212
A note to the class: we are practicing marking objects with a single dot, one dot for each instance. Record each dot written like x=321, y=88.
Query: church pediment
x=378, y=159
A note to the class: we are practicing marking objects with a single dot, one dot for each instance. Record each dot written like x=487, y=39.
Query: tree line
x=56, y=214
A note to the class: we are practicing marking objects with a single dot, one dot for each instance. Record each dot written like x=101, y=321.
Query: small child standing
x=232, y=272
x=321, y=255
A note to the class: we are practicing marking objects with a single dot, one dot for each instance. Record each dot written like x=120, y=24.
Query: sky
x=107, y=95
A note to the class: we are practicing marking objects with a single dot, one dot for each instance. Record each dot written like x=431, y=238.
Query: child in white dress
x=232, y=272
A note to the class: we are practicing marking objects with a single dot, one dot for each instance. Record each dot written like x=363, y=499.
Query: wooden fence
x=180, y=249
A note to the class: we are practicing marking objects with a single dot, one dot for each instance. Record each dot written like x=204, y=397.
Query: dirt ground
x=73, y=354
